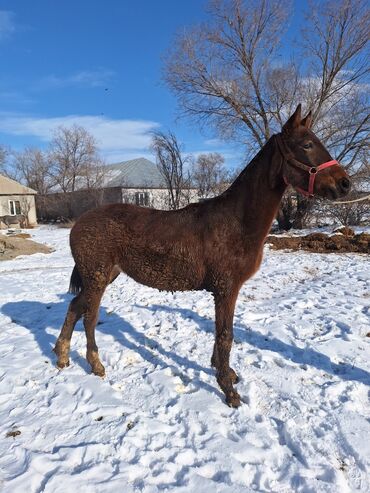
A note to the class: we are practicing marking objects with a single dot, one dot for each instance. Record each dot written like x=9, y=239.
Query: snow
x=158, y=422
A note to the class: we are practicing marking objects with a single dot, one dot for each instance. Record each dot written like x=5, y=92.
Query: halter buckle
x=312, y=171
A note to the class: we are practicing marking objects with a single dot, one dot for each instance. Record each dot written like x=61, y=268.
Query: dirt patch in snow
x=13, y=246
x=340, y=242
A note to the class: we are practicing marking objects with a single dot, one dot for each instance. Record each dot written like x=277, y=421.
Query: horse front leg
x=226, y=376
x=214, y=362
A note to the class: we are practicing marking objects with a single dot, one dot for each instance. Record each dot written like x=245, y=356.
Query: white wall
x=158, y=197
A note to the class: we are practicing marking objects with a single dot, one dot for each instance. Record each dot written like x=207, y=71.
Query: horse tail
x=75, y=284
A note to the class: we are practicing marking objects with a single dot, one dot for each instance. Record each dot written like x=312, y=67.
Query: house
x=16, y=201
x=137, y=181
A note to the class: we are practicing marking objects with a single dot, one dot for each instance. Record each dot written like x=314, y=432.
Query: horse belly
x=164, y=272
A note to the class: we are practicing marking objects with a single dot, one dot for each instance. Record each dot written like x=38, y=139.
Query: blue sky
x=96, y=63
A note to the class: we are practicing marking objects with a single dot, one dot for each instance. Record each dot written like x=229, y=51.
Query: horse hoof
x=62, y=364
x=233, y=399
x=99, y=371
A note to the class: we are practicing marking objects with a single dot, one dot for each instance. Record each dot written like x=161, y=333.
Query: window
x=14, y=207
x=142, y=198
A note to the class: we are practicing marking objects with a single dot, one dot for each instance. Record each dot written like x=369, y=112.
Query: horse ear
x=307, y=120
x=276, y=166
x=295, y=120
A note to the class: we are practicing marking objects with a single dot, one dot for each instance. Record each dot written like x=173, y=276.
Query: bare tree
x=3, y=155
x=227, y=73
x=219, y=70
x=351, y=214
x=32, y=167
x=172, y=166
x=75, y=160
x=209, y=175
x=71, y=164
x=6, y=168
x=26, y=204
x=335, y=40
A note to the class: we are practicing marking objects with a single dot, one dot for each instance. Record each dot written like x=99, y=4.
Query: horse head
x=305, y=163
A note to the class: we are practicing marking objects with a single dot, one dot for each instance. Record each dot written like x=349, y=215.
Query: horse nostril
x=345, y=184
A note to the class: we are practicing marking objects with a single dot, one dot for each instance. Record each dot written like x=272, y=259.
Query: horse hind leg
x=85, y=303
x=88, y=306
x=62, y=346
x=90, y=320
x=94, y=294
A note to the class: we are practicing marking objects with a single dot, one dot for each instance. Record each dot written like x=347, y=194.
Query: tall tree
x=32, y=167
x=209, y=175
x=5, y=165
x=220, y=70
x=172, y=166
x=75, y=160
x=228, y=73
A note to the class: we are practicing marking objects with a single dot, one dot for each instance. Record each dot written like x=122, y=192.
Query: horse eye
x=308, y=145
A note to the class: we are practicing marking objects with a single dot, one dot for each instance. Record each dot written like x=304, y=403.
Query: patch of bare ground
x=342, y=241
x=13, y=246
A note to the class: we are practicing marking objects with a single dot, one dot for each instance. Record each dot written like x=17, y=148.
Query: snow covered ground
x=158, y=421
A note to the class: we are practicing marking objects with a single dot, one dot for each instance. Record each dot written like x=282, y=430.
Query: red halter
x=312, y=170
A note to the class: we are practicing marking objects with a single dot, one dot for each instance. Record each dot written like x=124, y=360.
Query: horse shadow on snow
x=38, y=317
x=43, y=319
x=306, y=356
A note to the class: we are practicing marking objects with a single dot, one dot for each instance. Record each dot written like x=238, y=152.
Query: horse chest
x=238, y=263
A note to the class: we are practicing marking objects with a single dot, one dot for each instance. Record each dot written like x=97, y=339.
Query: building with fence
x=137, y=181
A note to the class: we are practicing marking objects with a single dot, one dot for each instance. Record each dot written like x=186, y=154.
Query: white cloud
x=118, y=140
x=115, y=138
x=213, y=142
x=83, y=78
x=7, y=26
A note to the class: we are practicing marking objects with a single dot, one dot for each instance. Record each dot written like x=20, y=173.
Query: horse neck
x=253, y=200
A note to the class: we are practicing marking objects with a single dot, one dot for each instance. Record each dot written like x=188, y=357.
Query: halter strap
x=312, y=170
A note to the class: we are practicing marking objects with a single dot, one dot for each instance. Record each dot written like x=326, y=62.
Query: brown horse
x=214, y=245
